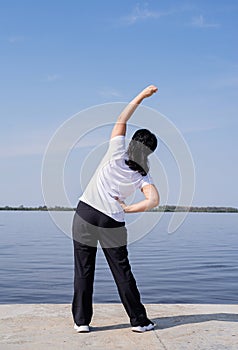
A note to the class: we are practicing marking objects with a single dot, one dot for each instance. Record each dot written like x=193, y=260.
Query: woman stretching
x=100, y=218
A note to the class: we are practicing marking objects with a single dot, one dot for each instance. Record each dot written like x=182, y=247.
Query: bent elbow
x=156, y=201
x=153, y=203
x=151, y=195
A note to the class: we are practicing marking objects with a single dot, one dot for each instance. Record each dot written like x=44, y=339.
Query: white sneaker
x=142, y=329
x=82, y=329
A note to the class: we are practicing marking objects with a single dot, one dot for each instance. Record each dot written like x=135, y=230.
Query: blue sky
x=59, y=57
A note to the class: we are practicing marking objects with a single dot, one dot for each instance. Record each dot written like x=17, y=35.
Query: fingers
x=150, y=90
x=153, y=88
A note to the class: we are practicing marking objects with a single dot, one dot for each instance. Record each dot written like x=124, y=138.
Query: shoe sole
x=145, y=330
x=82, y=330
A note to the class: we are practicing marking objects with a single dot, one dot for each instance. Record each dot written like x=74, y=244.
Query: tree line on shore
x=162, y=208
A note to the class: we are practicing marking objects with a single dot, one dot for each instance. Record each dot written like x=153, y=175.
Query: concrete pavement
x=179, y=327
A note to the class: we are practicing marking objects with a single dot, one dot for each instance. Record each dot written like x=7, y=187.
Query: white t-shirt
x=113, y=179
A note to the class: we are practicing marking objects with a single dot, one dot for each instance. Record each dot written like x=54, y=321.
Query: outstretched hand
x=149, y=91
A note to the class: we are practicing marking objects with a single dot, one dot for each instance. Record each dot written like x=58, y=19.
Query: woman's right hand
x=122, y=204
x=149, y=91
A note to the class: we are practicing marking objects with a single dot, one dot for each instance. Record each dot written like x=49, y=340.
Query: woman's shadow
x=173, y=321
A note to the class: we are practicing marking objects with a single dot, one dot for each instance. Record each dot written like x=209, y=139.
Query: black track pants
x=89, y=227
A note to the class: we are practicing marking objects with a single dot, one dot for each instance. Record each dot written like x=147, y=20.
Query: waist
x=96, y=217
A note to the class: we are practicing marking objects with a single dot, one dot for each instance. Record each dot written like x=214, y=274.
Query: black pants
x=89, y=227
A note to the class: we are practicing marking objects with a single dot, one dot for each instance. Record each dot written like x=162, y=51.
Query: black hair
x=142, y=144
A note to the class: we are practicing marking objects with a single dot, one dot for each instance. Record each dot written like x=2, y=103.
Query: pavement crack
x=161, y=342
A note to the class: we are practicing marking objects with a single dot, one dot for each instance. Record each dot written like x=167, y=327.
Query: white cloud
x=200, y=22
x=24, y=143
x=35, y=143
x=53, y=77
x=200, y=128
x=16, y=39
x=225, y=82
x=109, y=92
x=90, y=141
x=141, y=13
x=22, y=150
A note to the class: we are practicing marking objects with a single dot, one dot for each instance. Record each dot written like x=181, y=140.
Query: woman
x=100, y=217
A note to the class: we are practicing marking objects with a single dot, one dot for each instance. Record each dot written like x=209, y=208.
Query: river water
x=196, y=264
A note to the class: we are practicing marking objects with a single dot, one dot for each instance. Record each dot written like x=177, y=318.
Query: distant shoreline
x=163, y=208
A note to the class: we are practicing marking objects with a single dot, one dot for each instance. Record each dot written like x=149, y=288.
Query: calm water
x=197, y=264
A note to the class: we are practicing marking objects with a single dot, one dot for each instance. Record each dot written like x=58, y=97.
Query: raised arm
x=120, y=126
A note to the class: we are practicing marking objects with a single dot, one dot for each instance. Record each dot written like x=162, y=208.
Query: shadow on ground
x=111, y=327
x=173, y=321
